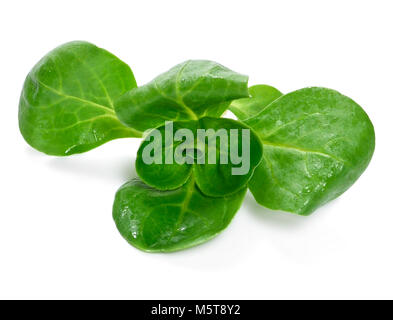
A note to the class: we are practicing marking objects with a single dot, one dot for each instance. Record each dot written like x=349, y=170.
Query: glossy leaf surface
x=164, y=221
x=188, y=91
x=261, y=95
x=317, y=142
x=66, y=105
x=217, y=176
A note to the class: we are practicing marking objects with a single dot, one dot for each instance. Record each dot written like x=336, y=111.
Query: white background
x=57, y=237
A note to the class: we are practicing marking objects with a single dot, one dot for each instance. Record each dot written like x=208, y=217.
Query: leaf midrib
x=62, y=94
x=300, y=150
x=178, y=101
x=184, y=207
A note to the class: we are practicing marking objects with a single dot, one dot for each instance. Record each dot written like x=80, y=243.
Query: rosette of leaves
x=317, y=142
x=67, y=102
x=221, y=159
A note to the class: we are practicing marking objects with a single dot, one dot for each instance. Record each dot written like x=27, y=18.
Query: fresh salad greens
x=294, y=151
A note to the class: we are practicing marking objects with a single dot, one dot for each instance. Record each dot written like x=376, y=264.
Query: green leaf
x=66, y=105
x=261, y=96
x=161, y=174
x=317, y=142
x=219, y=179
x=164, y=221
x=221, y=174
x=189, y=91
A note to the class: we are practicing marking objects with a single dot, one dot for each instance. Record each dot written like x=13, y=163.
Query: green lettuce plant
x=306, y=147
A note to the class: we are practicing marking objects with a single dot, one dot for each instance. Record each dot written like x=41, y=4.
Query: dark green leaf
x=317, y=142
x=161, y=174
x=165, y=221
x=189, y=91
x=216, y=177
x=219, y=179
x=261, y=96
x=66, y=105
